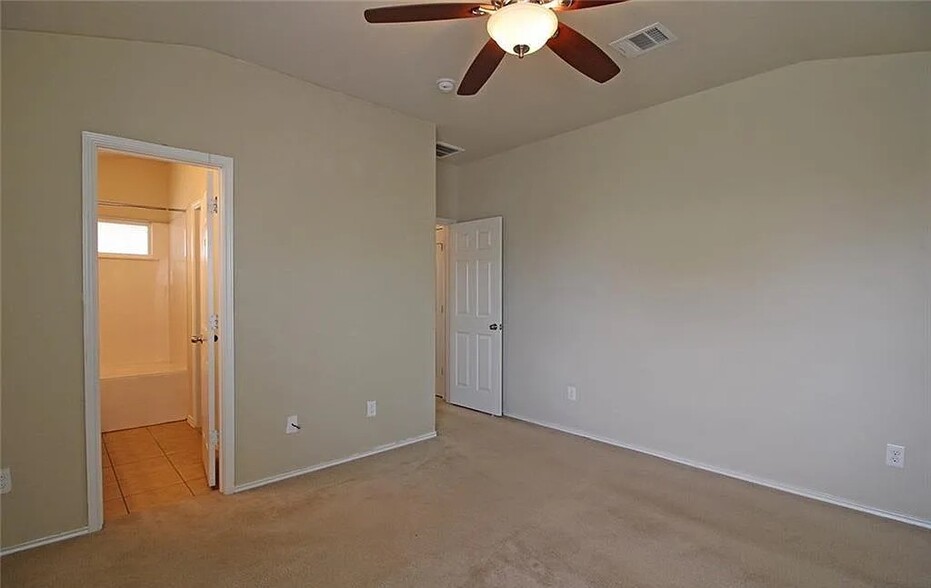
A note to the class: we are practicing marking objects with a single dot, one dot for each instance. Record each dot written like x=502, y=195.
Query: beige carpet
x=492, y=502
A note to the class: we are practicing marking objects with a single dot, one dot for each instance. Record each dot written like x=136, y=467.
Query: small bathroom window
x=124, y=238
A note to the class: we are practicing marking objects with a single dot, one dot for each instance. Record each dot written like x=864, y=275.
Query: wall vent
x=646, y=39
x=444, y=150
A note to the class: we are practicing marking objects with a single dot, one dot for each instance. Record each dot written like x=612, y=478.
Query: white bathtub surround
x=138, y=396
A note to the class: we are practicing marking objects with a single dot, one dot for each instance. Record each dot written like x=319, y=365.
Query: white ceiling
x=329, y=43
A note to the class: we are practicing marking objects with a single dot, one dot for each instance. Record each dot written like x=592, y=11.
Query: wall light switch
x=370, y=408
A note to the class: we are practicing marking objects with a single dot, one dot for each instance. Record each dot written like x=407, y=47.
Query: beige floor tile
x=180, y=445
x=190, y=471
x=146, y=440
x=111, y=491
x=159, y=497
x=114, y=509
x=125, y=435
x=142, y=476
x=178, y=428
x=133, y=450
x=199, y=485
x=187, y=457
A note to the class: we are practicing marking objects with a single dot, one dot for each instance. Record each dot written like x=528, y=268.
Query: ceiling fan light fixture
x=522, y=27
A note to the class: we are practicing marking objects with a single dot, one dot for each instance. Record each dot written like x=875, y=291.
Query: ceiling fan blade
x=578, y=51
x=481, y=69
x=580, y=4
x=421, y=12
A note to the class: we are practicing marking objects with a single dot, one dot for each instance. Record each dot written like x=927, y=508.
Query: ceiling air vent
x=646, y=39
x=444, y=150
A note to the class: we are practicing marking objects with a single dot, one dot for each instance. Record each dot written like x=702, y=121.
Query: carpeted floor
x=491, y=502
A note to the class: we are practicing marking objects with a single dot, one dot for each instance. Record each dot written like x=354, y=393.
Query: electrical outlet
x=292, y=425
x=6, y=481
x=895, y=456
x=370, y=408
x=572, y=394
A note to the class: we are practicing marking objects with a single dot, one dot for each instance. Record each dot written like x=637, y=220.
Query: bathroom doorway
x=441, y=241
x=156, y=288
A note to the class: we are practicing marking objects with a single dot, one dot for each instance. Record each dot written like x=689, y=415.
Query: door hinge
x=214, y=438
x=215, y=205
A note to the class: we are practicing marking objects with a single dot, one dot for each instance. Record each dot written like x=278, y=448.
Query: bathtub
x=137, y=396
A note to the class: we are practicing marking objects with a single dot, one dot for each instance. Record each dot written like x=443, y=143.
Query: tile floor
x=151, y=466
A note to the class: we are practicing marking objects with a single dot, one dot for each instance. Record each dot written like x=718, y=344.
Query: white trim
x=227, y=477
x=804, y=492
x=335, y=462
x=45, y=541
x=446, y=223
x=91, y=144
x=92, y=427
x=442, y=273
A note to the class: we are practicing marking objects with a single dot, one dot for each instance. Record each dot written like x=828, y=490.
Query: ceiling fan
x=518, y=27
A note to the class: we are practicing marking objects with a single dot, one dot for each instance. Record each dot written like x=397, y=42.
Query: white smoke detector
x=446, y=85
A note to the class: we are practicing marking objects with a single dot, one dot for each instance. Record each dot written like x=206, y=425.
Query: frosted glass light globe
x=522, y=28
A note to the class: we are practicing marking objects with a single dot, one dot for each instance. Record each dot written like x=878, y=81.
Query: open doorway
x=157, y=325
x=442, y=243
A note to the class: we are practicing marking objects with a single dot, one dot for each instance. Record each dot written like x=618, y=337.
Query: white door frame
x=445, y=222
x=92, y=143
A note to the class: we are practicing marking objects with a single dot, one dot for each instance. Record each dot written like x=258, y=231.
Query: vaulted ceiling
x=397, y=65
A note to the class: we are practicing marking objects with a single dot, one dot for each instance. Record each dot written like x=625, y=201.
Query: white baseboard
x=45, y=541
x=335, y=462
x=813, y=494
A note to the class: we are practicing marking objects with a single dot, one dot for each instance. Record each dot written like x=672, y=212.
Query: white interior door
x=475, y=315
x=209, y=323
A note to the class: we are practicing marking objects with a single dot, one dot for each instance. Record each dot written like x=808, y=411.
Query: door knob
x=197, y=339
x=496, y=326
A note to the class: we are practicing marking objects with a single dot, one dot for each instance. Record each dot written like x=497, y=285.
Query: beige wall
x=334, y=209
x=739, y=277
x=179, y=331
x=186, y=184
x=133, y=180
x=447, y=191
